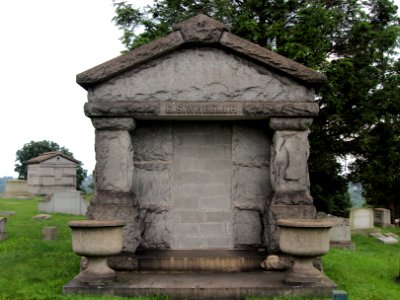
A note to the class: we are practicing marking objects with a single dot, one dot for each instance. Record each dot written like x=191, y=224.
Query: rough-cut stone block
x=129, y=214
x=152, y=142
x=157, y=229
x=251, y=187
x=152, y=186
x=108, y=198
x=251, y=144
x=276, y=212
x=247, y=228
x=114, y=161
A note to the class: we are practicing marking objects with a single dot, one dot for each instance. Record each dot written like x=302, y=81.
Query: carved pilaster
x=114, y=154
x=113, y=198
x=289, y=169
x=289, y=176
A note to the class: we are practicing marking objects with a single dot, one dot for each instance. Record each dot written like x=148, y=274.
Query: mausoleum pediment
x=199, y=31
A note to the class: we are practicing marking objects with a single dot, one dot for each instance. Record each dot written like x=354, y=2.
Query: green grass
x=31, y=268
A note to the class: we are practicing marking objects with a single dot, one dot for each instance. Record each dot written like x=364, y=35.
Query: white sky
x=44, y=44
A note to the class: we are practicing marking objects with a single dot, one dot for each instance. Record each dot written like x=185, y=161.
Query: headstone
x=388, y=240
x=340, y=234
x=382, y=217
x=361, y=218
x=66, y=202
x=42, y=217
x=49, y=233
x=16, y=188
x=3, y=229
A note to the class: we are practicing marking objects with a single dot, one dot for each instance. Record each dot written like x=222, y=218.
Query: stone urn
x=97, y=240
x=304, y=240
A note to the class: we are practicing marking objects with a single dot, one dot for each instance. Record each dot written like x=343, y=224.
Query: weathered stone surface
x=67, y=202
x=51, y=172
x=152, y=184
x=271, y=59
x=109, y=198
x=292, y=198
x=299, y=124
x=156, y=229
x=201, y=28
x=201, y=74
x=129, y=60
x=247, y=228
x=251, y=187
x=251, y=145
x=152, y=142
x=289, y=169
x=277, y=262
x=198, y=30
x=114, y=156
x=42, y=217
x=276, y=212
x=205, y=110
x=114, y=123
x=119, y=212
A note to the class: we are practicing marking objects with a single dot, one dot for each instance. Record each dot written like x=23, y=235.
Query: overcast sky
x=44, y=44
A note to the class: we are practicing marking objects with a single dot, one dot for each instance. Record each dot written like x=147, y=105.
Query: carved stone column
x=113, y=198
x=289, y=175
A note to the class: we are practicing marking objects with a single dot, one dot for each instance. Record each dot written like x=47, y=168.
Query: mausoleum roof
x=48, y=155
x=198, y=31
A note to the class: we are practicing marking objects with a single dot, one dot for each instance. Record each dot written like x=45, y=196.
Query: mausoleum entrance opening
x=201, y=184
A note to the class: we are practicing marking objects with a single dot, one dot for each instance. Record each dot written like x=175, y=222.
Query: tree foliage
x=34, y=149
x=352, y=41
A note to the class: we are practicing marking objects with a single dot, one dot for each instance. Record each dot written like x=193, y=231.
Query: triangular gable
x=200, y=30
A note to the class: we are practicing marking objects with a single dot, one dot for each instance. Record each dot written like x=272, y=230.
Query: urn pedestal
x=97, y=240
x=304, y=240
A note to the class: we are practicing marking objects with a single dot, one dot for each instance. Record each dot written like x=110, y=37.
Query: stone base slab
x=201, y=286
x=189, y=260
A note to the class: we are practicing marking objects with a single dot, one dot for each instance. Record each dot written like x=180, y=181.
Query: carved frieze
x=203, y=109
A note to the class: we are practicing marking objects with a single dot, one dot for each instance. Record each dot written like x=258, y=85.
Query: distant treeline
x=3, y=181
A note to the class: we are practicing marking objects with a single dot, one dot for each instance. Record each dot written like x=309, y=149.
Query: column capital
x=294, y=124
x=128, y=124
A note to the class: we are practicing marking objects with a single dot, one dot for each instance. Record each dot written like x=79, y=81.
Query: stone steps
x=201, y=286
x=190, y=261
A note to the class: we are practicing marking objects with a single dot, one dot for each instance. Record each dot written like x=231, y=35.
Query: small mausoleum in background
x=51, y=172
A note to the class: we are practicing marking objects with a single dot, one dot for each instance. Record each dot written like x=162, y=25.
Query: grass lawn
x=31, y=268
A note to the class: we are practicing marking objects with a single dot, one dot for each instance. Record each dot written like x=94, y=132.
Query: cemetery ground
x=32, y=268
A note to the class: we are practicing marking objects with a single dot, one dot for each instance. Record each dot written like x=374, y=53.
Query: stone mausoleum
x=201, y=144
x=51, y=172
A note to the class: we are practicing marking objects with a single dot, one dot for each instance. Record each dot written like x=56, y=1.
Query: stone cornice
x=196, y=32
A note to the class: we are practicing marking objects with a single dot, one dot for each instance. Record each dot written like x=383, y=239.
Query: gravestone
x=66, y=202
x=49, y=233
x=382, y=217
x=3, y=229
x=340, y=234
x=16, y=188
x=201, y=146
x=361, y=218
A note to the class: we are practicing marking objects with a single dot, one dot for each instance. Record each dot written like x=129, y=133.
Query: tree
x=351, y=41
x=34, y=149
